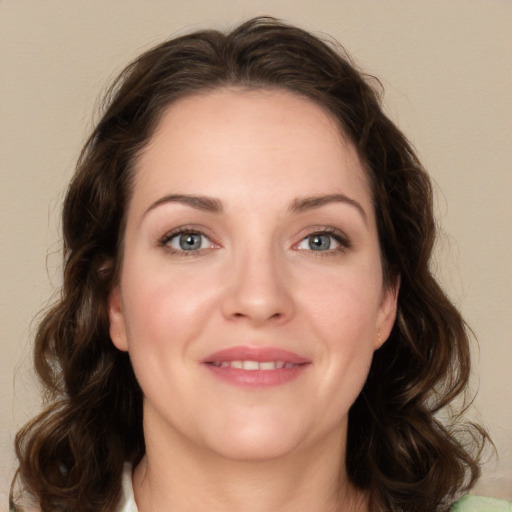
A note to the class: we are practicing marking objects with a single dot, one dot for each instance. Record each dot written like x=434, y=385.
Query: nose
x=258, y=289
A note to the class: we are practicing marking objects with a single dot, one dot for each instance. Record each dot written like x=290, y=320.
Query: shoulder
x=480, y=504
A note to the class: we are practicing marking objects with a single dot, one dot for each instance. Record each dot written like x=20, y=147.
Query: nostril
x=275, y=316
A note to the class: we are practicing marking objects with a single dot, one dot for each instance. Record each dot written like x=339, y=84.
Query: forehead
x=234, y=138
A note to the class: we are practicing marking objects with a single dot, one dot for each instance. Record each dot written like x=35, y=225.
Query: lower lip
x=257, y=378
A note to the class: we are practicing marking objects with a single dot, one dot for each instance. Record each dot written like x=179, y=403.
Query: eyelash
x=164, y=241
x=344, y=243
x=340, y=238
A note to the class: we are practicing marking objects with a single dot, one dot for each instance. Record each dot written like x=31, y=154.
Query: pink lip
x=256, y=378
x=259, y=354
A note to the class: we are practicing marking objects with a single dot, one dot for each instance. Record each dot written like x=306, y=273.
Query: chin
x=255, y=450
x=255, y=442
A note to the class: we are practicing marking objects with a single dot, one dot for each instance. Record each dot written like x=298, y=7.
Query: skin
x=255, y=281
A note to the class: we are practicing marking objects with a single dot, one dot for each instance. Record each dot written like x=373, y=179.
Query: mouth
x=256, y=367
x=253, y=365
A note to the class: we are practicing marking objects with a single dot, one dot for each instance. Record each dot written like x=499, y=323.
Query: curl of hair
x=71, y=456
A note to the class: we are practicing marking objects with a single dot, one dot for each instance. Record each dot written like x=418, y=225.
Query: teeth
x=251, y=365
x=254, y=365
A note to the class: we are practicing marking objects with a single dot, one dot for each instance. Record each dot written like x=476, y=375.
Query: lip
x=259, y=354
x=294, y=366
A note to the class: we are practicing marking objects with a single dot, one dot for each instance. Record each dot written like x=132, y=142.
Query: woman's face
x=251, y=293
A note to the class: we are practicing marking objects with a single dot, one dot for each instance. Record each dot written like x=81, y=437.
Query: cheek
x=343, y=302
x=166, y=307
x=342, y=313
x=165, y=315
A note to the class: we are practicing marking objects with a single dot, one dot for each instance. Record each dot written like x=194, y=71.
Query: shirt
x=466, y=504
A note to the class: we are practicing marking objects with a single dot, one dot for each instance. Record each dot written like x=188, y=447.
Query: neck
x=177, y=475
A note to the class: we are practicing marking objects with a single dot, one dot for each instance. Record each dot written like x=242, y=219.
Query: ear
x=116, y=317
x=387, y=312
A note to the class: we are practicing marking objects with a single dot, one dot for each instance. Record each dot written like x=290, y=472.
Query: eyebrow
x=308, y=203
x=204, y=203
x=212, y=205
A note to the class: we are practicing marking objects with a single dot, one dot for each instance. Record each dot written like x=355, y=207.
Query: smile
x=256, y=367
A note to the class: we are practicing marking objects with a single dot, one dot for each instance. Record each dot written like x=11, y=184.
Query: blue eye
x=188, y=241
x=319, y=242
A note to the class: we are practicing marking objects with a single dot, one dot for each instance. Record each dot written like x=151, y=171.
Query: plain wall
x=446, y=68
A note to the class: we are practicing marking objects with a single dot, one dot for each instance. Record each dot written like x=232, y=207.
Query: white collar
x=127, y=502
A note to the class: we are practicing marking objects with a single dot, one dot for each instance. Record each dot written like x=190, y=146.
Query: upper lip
x=260, y=354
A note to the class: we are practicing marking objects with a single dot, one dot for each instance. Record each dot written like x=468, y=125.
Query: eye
x=187, y=241
x=318, y=242
x=324, y=241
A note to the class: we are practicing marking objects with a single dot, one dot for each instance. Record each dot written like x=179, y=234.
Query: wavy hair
x=71, y=456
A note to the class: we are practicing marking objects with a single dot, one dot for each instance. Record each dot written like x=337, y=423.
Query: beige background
x=445, y=64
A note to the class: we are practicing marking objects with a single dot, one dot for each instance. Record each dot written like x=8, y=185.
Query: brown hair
x=71, y=456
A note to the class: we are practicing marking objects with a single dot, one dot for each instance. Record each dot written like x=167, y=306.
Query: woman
x=248, y=320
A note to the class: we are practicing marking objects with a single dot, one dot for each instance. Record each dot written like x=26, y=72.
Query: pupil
x=319, y=242
x=190, y=241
